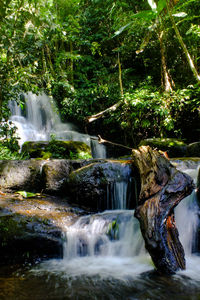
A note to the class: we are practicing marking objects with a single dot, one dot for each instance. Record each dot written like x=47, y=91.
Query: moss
x=57, y=149
x=172, y=146
x=10, y=227
x=164, y=142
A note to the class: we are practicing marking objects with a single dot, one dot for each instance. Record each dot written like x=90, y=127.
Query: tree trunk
x=162, y=188
x=120, y=76
x=1, y=103
x=71, y=65
x=187, y=54
x=49, y=60
x=165, y=77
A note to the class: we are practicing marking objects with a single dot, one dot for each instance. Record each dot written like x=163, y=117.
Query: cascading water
x=104, y=259
x=39, y=120
x=187, y=212
x=105, y=244
x=110, y=243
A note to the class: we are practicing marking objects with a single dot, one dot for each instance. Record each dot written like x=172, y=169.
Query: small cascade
x=105, y=245
x=122, y=194
x=106, y=234
x=110, y=244
x=187, y=212
x=39, y=120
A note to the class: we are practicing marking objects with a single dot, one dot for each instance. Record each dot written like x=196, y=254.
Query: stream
x=104, y=258
x=104, y=255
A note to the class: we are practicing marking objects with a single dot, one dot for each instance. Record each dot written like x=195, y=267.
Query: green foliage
x=27, y=194
x=8, y=136
x=70, y=48
x=8, y=154
x=113, y=230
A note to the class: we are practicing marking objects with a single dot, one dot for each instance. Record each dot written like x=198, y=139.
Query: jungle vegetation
x=124, y=69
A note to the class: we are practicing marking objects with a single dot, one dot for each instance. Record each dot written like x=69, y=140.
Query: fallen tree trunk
x=162, y=188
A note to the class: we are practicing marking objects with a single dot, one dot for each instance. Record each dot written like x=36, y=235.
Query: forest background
x=124, y=69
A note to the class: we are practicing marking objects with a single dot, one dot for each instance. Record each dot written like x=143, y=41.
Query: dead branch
x=102, y=141
x=99, y=115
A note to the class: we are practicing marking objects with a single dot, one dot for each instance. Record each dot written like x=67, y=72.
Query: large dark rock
x=29, y=229
x=92, y=185
x=198, y=186
x=193, y=150
x=21, y=175
x=32, y=229
x=34, y=175
x=55, y=174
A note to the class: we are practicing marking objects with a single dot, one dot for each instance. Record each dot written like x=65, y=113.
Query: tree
x=182, y=44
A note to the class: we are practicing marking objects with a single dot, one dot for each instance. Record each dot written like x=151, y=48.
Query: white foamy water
x=187, y=219
x=40, y=119
x=107, y=244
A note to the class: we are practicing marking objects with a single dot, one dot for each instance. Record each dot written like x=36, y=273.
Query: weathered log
x=162, y=188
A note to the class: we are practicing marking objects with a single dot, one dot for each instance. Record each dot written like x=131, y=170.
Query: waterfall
x=105, y=234
x=122, y=194
x=39, y=120
x=110, y=244
x=187, y=212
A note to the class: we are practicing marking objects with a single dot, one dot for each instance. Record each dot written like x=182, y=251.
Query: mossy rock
x=193, y=150
x=27, y=238
x=92, y=185
x=57, y=149
x=173, y=147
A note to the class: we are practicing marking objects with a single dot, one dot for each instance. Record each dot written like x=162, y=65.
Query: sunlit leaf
x=148, y=15
x=161, y=5
x=122, y=29
x=180, y=15
x=152, y=4
x=26, y=194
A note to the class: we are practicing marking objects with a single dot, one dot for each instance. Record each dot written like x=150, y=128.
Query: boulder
x=198, y=187
x=27, y=233
x=173, y=147
x=34, y=175
x=21, y=175
x=55, y=174
x=32, y=228
x=193, y=150
x=92, y=185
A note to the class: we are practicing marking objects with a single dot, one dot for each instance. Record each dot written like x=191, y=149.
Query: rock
x=32, y=229
x=90, y=185
x=162, y=188
x=173, y=147
x=55, y=174
x=193, y=150
x=27, y=237
x=21, y=175
x=34, y=175
x=57, y=149
x=198, y=186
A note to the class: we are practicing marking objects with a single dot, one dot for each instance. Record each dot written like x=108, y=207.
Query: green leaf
x=26, y=194
x=180, y=15
x=161, y=5
x=148, y=15
x=153, y=5
x=119, y=31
